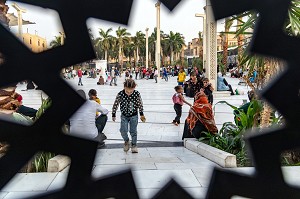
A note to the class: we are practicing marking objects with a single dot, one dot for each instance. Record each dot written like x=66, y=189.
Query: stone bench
x=218, y=156
x=58, y=163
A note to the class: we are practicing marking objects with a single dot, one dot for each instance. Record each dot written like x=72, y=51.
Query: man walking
x=79, y=73
x=113, y=76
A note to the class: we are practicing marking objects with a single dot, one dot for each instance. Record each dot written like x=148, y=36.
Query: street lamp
x=204, y=36
x=147, y=48
x=20, y=20
x=157, y=50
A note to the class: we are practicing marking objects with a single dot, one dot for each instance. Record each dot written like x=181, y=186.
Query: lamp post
x=157, y=50
x=147, y=48
x=204, y=37
x=20, y=20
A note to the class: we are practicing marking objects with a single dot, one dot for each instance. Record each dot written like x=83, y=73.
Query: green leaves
x=230, y=137
x=46, y=103
x=293, y=26
x=40, y=162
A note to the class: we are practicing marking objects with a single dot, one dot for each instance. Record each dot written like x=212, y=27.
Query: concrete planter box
x=222, y=158
x=58, y=163
x=218, y=94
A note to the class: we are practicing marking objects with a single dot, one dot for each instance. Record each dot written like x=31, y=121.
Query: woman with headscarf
x=200, y=118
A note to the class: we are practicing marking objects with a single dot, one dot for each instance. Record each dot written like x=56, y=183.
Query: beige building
x=194, y=48
x=232, y=41
x=34, y=42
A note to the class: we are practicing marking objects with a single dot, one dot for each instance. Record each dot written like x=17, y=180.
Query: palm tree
x=240, y=39
x=179, y=47
x=175, y=42
x=129, y=50
x=113, y=51
x=105, y=39
x=151, y=46
x=266, y=67
x=122, y=37
x=228, y=24
x=138, y=41
x=165, y=49
x=56, y=42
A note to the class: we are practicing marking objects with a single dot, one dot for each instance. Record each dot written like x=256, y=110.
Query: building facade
x=34, y=42
x=194, y=48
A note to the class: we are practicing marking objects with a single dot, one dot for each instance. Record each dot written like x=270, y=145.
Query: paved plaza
x=161, y=154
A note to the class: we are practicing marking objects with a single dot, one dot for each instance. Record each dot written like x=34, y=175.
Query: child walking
x=130, y=103
x=178, y=101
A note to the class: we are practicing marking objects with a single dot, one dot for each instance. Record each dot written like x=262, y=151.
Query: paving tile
x=197, y=192
x=166, y=166
x=183, y=152
x=17, y=178
x=3, y=194
x=158, y=178
x=110, y=160
x=203, y=171
x=23, y=194
x=163, y=148
x=147, y=193
x=100, y=170
x=197, y=160
x=59, y=181
x=163, y=153
x=31, y=182
x=152, y=160
x=143, y=166
x=171, y=138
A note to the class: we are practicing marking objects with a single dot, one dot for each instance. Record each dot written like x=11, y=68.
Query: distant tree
x=174, y=42
x=56, y=42
x=105, y=41
x=122, y=37
x=138, y=41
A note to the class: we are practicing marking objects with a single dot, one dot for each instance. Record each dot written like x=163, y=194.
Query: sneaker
x=101, y=144
x=126, y=146
x=175, y=123
x=134, y=149
x=103, y=136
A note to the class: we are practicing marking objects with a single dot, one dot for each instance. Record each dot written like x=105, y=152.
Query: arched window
x=30, y=41
x=43, y=45
x=38, y=42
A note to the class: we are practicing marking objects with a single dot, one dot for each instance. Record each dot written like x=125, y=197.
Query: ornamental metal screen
x=45, y=135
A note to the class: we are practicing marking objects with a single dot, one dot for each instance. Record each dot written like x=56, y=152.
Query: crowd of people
x=90, y=120
x=200, y=118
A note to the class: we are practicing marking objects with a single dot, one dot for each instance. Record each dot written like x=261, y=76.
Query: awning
x=13, y=20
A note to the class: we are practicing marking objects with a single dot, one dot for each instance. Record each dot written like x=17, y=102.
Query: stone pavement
x=161, y=154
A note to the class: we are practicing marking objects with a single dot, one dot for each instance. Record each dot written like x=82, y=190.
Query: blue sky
x=143, y=15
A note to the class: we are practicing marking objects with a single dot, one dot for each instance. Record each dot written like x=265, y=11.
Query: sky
x=143, y=15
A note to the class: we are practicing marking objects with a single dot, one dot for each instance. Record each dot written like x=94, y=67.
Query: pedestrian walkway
x=161, y=154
